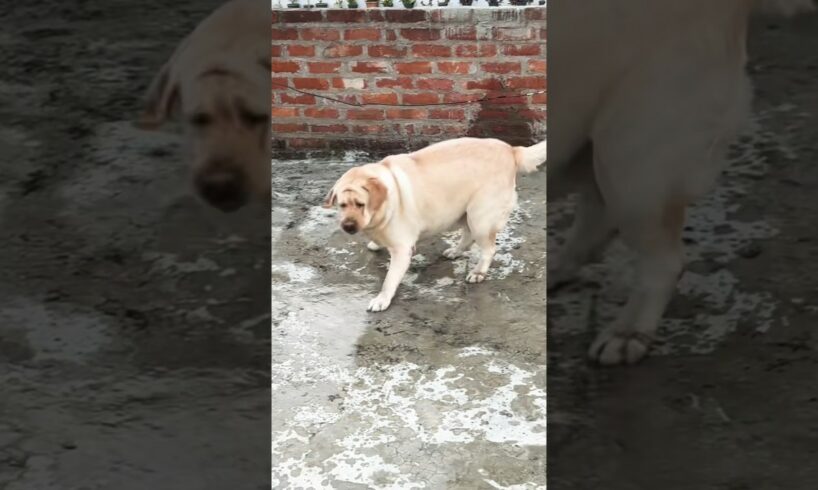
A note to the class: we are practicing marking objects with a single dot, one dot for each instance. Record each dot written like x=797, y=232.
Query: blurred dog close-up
x=465, y=182
x=639, y=130
x=218, y=81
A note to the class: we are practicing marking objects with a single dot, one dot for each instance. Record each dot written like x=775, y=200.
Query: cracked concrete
x=446, y=389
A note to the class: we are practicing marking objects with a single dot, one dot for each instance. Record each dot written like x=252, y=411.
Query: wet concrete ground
x=134, y=322
x=446, y=389
x=729, y=400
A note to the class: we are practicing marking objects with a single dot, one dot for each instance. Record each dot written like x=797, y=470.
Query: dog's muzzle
x=350, y=227
x=223, y=189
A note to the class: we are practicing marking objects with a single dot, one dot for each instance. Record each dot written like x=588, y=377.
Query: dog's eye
x=254, y=119
x=343, y=205
x=201, y=119
x=359, y=204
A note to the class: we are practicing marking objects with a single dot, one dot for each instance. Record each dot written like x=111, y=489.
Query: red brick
x=302, y=99
x=475, y=50
x=430, y=130
x=522, y=49
x=362, y=34
x=535, y=13
x=321, y=113
x=324, y=67
x=543, y=35
x=455, y=97
x=279, y=83
x=461, y=33
x=284, y=67
x=435, y=84
x=347, y=16
x=284, y=112
x=502, y=68
x=407, y=114
x=539, y=99
x=447, y=114
x=390, y=98
x=431, y=51
x=289, y=128
x=405, y=16
x=514, y=33
x=353, y=83
x=526, y=82
x=365, y=114
x=521, y=100
x=420, y=34
x=380, y=51
x=484, y=84
x=536, y=66
x=283, y=34
x=454, y=67
x=532, y=113
x=419, y=99
x=400, y=82
x=275, y=51
x=311, y=83
x=296, y=16
x=370, y=67
x=296, y=50
x=391, y=35
x=275, y=16
x=370, y=129
x=324, y=34
x=413, y=68
x=343, y=51
x=328, y=128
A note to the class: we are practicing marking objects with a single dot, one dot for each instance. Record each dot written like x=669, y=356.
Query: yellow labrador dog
x=647, y=96
x=218, y=79
x=466, y=182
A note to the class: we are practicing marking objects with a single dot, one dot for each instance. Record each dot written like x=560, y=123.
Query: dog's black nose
x=223, y=189
x=350, y=227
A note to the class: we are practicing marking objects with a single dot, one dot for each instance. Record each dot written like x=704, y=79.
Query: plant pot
x=519, y=3
x=293, y=5
x=322, y=5
x=494, y=3
x=443, y=3
x=466, y=2
x=352, y=5
x=409, y=5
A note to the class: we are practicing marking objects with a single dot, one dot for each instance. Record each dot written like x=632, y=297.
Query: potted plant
x=322, y=4
x=410, y=4
x=293, y=4
x=443, y=3
x=353, y=4
x=519, y=3
x=494, y=3
x=388, y=3
x=542, y=2
x=372, y=4
x=339, y=4
x=466, y=2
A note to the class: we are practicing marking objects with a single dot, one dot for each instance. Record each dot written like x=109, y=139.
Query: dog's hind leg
x=465, y=242
x=485, y=219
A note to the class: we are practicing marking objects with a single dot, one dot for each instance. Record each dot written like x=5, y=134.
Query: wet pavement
x=445, y=389
x=134, y=321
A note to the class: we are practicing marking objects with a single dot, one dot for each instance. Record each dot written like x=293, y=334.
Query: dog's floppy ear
x=377, y=193
x=331, y=198
x=161, y=98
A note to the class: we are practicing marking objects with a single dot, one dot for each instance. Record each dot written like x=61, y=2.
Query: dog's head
x=219, y=84
x=361, y=197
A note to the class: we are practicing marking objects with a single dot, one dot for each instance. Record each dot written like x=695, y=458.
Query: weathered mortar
x=400, y=58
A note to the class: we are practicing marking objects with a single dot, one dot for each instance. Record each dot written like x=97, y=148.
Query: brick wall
x=398, y=62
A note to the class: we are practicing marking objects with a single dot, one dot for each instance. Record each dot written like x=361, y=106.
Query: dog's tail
x=528, y=158
x=787, y=8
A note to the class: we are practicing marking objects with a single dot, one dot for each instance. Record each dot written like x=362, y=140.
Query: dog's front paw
x=372, y=246
x=379, y=303
x=612, y=348
x=475, y=277
x=452, y=253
